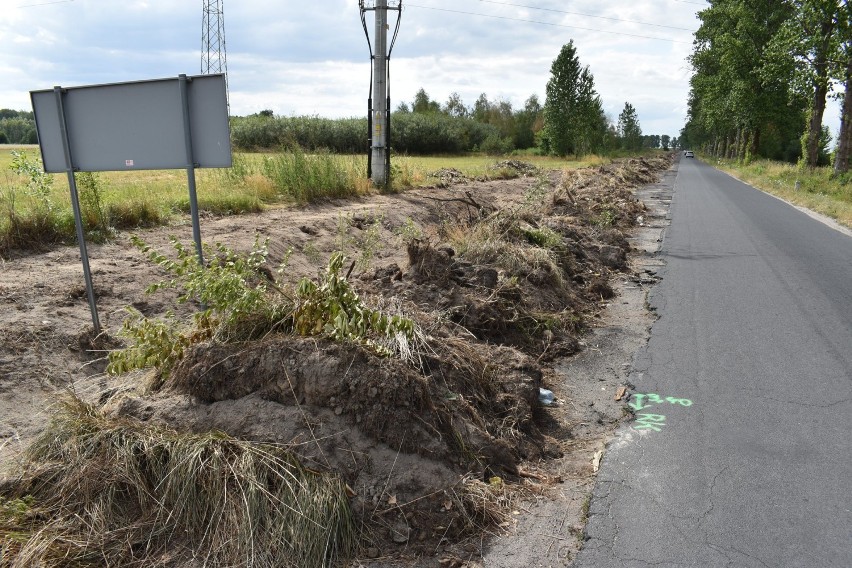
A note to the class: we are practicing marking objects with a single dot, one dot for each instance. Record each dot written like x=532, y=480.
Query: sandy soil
x=362, y=412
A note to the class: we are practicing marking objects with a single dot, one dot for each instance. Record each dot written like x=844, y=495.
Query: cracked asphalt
x=741, y=450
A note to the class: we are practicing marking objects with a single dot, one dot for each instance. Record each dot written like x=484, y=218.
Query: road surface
x=741, y=451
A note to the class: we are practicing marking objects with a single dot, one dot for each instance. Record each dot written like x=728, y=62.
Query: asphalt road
x=741, y=451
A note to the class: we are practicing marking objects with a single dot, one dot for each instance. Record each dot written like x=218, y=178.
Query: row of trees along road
x=763, y=70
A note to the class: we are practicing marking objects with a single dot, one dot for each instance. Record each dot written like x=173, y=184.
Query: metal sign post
x=160, y=124
x=190, y=168
x=75, y=205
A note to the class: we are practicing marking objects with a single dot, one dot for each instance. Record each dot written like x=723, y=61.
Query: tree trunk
x=755, y=142
x=820, y=92
x=745, y=145
x=815, y=124
x=738, y=141
x=745, y=141
x=841, y=159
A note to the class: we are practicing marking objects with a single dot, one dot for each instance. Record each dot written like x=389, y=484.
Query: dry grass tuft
x=483, y=506
x=113, y=492
x=507, y=242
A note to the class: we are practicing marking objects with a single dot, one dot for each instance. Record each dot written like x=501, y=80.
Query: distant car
x=689, y=154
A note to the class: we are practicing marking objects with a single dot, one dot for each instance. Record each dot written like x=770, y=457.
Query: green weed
x=370, y=243
x=241, y=302
x=95, y=215
x=409, y=231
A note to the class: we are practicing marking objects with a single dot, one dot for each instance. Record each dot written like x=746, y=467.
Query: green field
x=161, y=183
x=35, y=208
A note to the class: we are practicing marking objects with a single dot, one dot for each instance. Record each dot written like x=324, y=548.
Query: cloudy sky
x=312, y=58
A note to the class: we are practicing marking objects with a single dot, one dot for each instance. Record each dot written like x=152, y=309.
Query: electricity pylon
x=214, y=59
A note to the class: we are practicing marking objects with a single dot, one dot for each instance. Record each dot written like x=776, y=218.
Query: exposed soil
x=416, y=443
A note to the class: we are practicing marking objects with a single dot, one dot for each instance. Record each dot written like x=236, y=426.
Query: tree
x=422, y=104
x=481, y=108
x=629, y=129
x=574, y=121
x=738, y=106
x=666, y=141
x=811, y=36
x=455, y=106
x=527, y=123
x=844, y=141
x=19, y=130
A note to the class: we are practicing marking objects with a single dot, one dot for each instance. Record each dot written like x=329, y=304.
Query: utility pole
x=380, y=159
x=379, y=106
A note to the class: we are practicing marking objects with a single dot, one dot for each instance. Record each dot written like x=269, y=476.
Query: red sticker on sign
x=128, y=163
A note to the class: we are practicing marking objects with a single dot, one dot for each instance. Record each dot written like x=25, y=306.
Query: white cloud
x=312, y=58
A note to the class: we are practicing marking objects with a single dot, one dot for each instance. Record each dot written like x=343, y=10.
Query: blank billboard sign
x=135, y=126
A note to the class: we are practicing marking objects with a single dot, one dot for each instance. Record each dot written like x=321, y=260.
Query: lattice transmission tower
x=213, y=56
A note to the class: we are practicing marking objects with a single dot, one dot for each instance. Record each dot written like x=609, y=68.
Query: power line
x=548, y=24
x=44, y=3
x=586, y=15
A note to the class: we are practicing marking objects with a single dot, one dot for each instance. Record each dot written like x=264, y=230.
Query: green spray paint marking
x=653, y=422
x=642, y=401
x=646, y=420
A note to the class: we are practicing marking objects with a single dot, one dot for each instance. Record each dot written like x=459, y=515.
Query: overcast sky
x=311, y=58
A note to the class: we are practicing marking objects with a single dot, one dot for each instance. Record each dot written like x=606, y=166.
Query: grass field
x=35, y=208
x=815, y=189
x=162, y=183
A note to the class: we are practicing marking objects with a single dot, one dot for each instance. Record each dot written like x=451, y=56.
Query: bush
x=496, y=146
x=436, y=133
x=411, y=133
x=343, y=136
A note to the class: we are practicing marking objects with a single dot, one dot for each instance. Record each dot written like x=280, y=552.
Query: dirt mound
x=448, y=176
x=497, y=293
x=444, y=410
x=522, y=168
x=434, y=448
x=414, y=446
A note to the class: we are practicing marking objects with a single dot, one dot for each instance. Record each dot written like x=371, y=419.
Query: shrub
x=344, y=136
x=241, y=302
